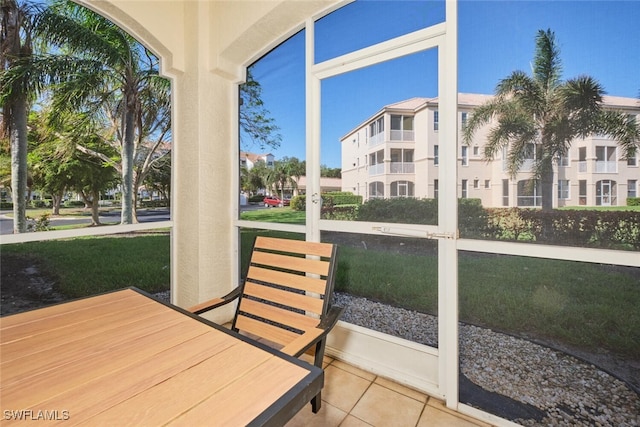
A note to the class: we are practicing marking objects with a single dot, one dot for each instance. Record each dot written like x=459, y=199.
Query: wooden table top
x=124, y=358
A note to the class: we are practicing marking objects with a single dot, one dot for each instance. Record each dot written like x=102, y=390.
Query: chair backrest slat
x=279, y=315
x=290, y=299
x=312, y=266
x=294, y=246
x=293, y=281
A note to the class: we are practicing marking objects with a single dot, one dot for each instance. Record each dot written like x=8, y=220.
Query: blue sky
x=598, y=38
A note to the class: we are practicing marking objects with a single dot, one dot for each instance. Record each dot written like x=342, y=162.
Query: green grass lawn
x=90, y=265
x=282, y=215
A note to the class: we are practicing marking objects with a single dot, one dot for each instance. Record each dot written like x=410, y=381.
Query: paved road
x=144, y=215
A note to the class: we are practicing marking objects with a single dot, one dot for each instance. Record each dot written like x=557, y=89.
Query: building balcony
x=376, y=169
x=376, y=139
x=402, y=135
x=402, y=167
x=606, y=167
x=582, y=166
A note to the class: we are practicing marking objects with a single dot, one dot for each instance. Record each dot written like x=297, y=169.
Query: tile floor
x=352, y=397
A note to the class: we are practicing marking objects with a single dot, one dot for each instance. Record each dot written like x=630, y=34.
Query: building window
x=505, y=192
x=476, y=183
x=606, y=193
x=632, y=188
x=463, y=120
x=402, y=160
x=435, y=188
x=436, y=120
x=529, y=193
x=487, y=183
x=376, y=131
x=402, y=128
x=632, y=160
x=564, y=160
x=436, y=159
x=476, y=150
x=376, y=190
x=563, y=189
x=582, y=159
x=582, y=192
x=402, y=189
x=464, y=189
x=465, y=155
x=606, y=160
x=376, y=163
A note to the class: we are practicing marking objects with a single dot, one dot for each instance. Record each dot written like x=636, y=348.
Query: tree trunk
x=95, y=208
x=19, y=148
x=127, y=216
x=546, y=181
x=56, y=201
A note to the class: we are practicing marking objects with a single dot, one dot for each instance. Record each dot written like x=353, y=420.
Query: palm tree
x=16, y=45
x=543, y=114
x=115, y=72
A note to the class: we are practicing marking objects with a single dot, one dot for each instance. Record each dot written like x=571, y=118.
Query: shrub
x=336, y=198
x=73, y=204
x=258, y=198
x=587, y=228
x=6, y=205
x=633, y=201
x=40, y=203
x=472, y=218
x=298, y=203
x=400, y=210
x=154, y=203
x=340, y=212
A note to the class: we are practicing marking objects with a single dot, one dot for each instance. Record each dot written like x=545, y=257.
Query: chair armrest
x=301, y=344
x=215, y=302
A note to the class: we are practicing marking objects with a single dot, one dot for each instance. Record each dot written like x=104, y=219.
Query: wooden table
x=124, y=359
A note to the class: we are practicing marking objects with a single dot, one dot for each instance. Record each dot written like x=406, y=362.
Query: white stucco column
x=204, y=152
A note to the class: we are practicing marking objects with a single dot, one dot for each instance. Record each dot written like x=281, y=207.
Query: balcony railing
x=376, y=139
x=606, y=167
x=399, y=167
x=402, y=135
x=376, y=169
x=582, y=166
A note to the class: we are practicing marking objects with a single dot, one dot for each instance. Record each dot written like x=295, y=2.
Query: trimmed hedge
x=258, y=198
x=332, y=202
x=602, y=229
x=473, y=218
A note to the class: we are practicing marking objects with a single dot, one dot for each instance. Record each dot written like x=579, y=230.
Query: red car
x=271, y=201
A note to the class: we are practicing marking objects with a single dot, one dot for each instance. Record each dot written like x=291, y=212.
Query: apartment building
x=395, y=154
x=248, y=160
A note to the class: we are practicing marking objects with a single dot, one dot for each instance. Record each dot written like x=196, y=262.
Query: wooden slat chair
x=286, y=297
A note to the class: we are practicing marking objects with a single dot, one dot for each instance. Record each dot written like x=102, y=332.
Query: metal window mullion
x=448, y=211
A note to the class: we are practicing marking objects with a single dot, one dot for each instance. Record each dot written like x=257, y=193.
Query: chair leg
x=316, y=403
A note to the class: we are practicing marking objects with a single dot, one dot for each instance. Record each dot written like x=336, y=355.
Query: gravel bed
x=559, y=389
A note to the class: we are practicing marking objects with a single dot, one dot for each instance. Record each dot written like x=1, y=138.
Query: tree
x=114, y=73
x=281, y=175
x=159, y=178
x=16, y=45
x=543, y=114
x=255, y=124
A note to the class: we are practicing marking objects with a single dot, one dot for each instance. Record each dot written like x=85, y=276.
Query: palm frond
x=547, y=66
